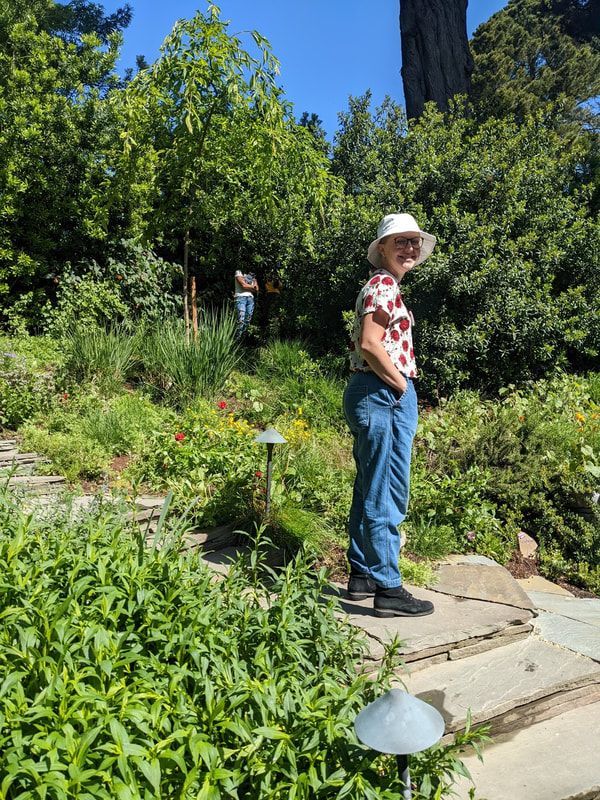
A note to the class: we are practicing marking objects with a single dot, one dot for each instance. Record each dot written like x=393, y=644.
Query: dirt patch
x=521, y=567
x=119, y=463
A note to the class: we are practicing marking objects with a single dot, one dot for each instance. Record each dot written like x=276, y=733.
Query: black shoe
x=360, y=586
x=397, y=602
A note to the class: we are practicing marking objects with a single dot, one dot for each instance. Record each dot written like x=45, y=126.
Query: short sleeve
x=379, y=293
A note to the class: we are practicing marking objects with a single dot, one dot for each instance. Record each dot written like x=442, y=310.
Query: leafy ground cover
x=483, y=470
x=134, y=672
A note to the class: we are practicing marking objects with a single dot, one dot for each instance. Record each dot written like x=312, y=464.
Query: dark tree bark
x=436, y=60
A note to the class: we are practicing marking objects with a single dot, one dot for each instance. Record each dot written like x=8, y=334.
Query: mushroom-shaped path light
x=270, y=437
x=400, y=724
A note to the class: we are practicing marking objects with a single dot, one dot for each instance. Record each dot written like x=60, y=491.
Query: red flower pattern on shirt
x=381, y=291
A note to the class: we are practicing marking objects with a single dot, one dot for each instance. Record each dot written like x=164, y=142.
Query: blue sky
x=328, y=49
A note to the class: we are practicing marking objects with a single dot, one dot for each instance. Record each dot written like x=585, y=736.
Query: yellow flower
x=579, y=417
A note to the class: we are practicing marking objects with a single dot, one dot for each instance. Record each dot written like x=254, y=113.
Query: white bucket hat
x=400, y=223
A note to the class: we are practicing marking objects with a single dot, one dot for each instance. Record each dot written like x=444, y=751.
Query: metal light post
x=270, y=437
x=400, y=724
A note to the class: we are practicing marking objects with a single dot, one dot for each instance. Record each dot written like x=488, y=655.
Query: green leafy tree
x=537, y=51
x=230, y=160
x=55, y=132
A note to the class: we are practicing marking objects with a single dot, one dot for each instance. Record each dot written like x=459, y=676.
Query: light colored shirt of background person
x=244, y=288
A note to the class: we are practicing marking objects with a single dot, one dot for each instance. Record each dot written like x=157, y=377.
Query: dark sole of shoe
x=360, y=596
x=388, y=613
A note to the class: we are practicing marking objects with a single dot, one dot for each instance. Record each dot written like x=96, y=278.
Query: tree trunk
x=436, y=60
x=186, y=284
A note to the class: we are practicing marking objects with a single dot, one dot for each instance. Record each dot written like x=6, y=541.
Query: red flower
x=65, y=396
x=258, y=473
x=395, y=335
x=405, y=345
x=390, y=305
x=412, y=353
x=179, y=437
x=403, y=360
x=368, y=301
x=398, y=301
x=222, y=404
x=404, y=324
x=388, y=281
x=374, y=281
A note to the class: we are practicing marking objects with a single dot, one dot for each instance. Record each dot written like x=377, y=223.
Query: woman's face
x=400, y=252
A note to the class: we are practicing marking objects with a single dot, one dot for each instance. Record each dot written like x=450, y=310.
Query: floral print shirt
x=382, y=290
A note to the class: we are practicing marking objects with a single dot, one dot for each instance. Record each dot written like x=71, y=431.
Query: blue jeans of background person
x=383, y=425
x=245, y=309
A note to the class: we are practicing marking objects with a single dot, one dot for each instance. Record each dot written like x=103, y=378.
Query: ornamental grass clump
x=135, y=672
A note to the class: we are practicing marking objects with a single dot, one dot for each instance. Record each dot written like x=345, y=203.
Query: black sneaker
x=397, y=602
x=360, y=586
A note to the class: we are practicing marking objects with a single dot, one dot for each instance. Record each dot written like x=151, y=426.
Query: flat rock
x=37, y=483
x=469, y=558
x=455, y=623
x=556, y=759
x=508, y=687
x=491, y=583
x=149, y=501
x=527, y=544
x=580, y=637
x=584, y=609
x=535, y=583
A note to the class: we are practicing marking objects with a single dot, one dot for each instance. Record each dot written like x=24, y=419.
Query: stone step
x=12, y=457
x=458, y=628
x=557, y=759
x=510, y=687
x=7, y=444
x=44, y=484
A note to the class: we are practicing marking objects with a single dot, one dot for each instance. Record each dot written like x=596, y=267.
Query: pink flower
x=179, y=437
x=222, y=405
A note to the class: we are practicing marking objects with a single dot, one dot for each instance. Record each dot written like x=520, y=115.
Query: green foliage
x=70, y=454
x=183, y=369
x=28, y=377
x=106, y=356
x=527, y=55
x=56, y=133
x=485, y=470
x=207, y=457
x=140, y=690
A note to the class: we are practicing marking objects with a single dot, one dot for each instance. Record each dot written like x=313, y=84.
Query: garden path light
x=270, y=437
x=400, y=724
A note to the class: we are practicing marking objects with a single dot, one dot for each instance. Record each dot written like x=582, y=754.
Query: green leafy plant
x=148, y=677
x=184, y=368
x=106, y=356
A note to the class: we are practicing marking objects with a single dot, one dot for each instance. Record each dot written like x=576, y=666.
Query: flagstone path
x=522, y=657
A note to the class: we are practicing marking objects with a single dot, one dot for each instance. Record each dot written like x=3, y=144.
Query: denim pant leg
x=245, y=307
x=383, y=427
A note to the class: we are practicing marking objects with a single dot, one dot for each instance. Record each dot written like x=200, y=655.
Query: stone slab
x=494, y=584
x=527, y=544
x=455, y=622
x=583, y=609
x=514, y=680
x=557, y=759
x=580, y=637
x=535, y=583
x=469, y=558
x=37, y=483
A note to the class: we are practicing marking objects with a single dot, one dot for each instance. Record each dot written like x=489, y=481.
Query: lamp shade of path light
x=399, y=724
x=270, y=437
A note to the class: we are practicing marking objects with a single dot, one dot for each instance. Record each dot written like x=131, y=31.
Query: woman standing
x=380, y=404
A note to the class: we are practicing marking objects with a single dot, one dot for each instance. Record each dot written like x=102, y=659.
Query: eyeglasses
x=402, y=243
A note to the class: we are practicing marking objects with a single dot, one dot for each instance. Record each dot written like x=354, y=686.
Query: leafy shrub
x=183, y=369
x=282, y=359
x=86, y=300
x=72, y=454
x=28, y=378
x=209, y=456
x=147, y=677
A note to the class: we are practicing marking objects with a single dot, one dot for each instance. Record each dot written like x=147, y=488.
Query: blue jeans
x=245, y=309
x=383, y=425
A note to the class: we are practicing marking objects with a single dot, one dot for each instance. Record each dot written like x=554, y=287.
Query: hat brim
x=429, y=240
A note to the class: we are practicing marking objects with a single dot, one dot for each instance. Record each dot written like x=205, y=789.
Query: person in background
x=380, y=405
x=246, y=286
x=273, y=288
